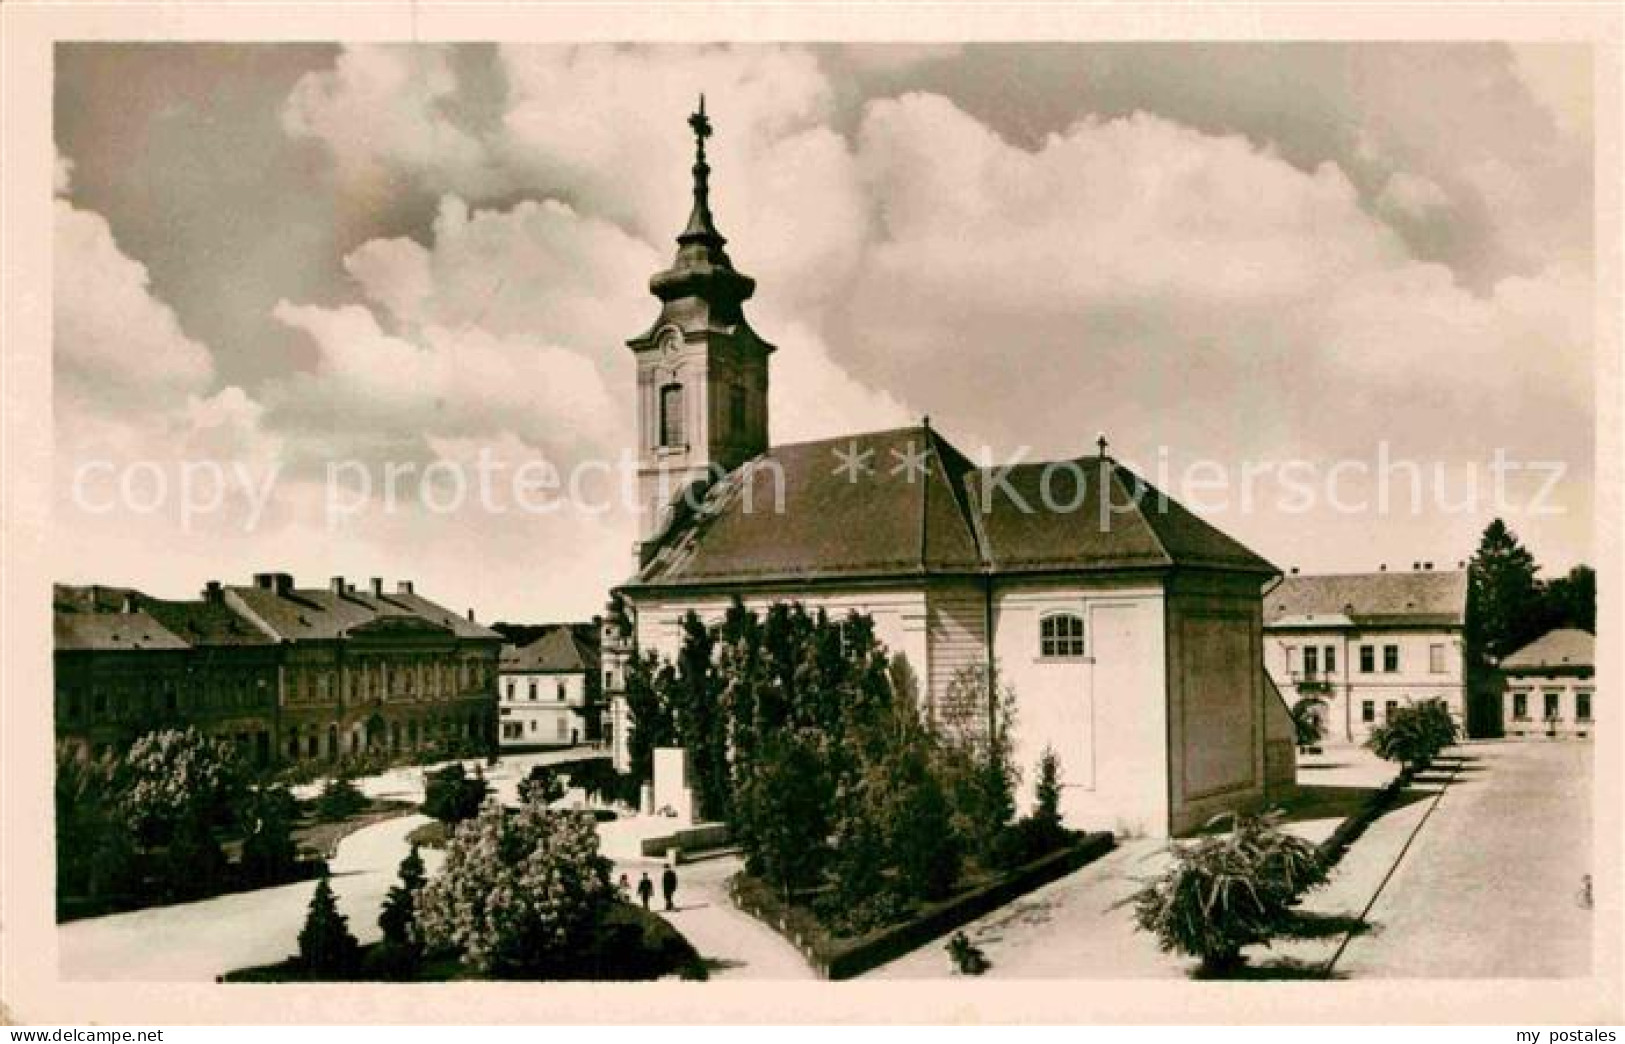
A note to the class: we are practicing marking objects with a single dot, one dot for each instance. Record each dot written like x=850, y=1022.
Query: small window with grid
x=1061, y=637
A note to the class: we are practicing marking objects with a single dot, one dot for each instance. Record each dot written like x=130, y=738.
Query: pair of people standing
x=668, y=885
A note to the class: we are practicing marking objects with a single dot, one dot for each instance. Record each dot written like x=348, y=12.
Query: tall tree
x=1571, y=600
x=1504, y=605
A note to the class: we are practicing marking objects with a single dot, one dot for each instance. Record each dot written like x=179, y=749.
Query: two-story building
x=285, y=673
x=547, y=690
x=1363, y=644
x=1548, y=686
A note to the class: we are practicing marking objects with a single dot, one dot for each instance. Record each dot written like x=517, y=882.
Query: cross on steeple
x=1101, y=444
x=702, y=127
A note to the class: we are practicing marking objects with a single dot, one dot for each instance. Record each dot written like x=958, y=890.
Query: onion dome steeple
x=702, y=268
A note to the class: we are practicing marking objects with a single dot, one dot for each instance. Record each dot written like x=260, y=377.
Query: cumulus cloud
x=1220, y=293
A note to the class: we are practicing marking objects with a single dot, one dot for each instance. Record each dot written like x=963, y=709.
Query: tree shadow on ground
x=1273, y=970
x=1311, y=801
x=1308, y=925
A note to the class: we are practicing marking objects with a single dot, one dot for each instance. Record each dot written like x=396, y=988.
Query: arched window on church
x=671, y=416
x=1061, y=636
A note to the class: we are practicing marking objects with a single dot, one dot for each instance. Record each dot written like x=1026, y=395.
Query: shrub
x=1414, y=735
x=95, y=848
x=269, y=851
x=339, y=799
x=326, y=947
x=1307, y=722
x=452, y=796
x=519, y=893
x=173, y=776
x=400, y=952
x=1228, y=891
x=541, y=784
x=974, y=760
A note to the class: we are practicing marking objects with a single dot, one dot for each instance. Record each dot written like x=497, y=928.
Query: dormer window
x=672, y=435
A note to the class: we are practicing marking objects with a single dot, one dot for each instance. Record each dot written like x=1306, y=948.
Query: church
x=1129, y=628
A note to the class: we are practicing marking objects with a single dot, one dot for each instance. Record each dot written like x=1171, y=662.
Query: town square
x=788, y=512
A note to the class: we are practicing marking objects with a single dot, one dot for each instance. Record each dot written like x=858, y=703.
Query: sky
x=282, y=271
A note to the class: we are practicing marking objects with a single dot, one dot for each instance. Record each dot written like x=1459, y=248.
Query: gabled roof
x=1421, y=597
x=905, y=502
x=559, y=651
x=1564, y=647
x=321, y=613
x=104, y=631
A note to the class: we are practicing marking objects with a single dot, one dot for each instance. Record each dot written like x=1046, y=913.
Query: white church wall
x=1103, y=713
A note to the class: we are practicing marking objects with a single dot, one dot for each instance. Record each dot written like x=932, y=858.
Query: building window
x=1582, y=706
x=1311, y=661
x=1520, y=706
x=1552, y=712
x=609, y=679
x=1061, y=636
x=1368, y=659
x=510, y=688
x=671, y=416
x=1368, y=711
x=736, y=409
x=1388, y=709
x=1436, y=659
x=561, y=692
x=1291, y=652
x=1330, y=658
x=1390, y=659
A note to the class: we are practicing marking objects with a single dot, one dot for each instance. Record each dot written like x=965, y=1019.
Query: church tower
x=702, y=371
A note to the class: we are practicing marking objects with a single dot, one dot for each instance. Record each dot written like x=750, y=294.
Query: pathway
x=194, y=942
x=1490, y=888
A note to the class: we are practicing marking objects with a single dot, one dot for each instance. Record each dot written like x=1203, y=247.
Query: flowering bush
x=519, y=892
x=173, y=776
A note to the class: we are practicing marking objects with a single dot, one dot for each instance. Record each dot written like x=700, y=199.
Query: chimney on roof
x=284, y=583
x=128, y=605
x=471, y=616
x=1382, y=567
x=377, y=587
x=1427, y=565
x=1415, y=566
x=1461, y=563
x=336, y=585
x=1294, y=570
x=403, y=587
x=265, y=581
x=213, y=593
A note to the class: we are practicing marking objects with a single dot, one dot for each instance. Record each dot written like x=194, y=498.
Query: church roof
x=1421, y=597
x=906, y=502
x=1565, y=647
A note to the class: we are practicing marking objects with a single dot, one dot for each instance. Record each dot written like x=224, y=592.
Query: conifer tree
x=327, y=949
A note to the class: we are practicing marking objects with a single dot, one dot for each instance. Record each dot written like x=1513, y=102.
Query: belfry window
x=1061, y=636
x=671, y=416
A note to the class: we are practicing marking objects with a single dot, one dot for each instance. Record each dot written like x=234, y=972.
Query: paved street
x=194, y=942
x=1490, y=886
x=1474, y=873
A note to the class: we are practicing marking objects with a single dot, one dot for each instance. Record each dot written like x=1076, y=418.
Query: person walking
x=624, y=886
x=668, y=885
x=646, y=889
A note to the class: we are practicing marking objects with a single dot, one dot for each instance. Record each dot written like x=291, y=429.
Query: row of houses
x=1360, y=645
x=285, y=673
x=291, y=674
